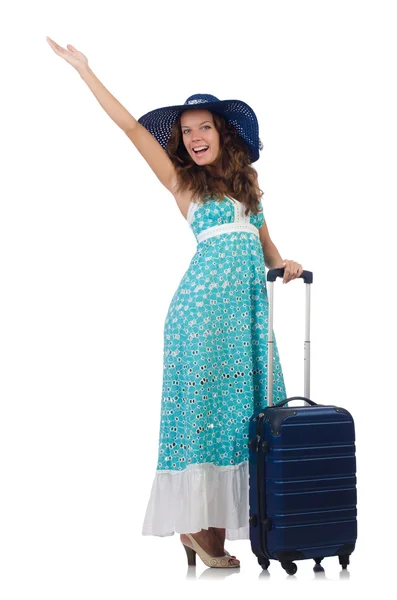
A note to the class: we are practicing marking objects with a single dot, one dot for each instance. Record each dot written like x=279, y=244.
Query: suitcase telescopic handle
x=307, y=277
x=272, y=275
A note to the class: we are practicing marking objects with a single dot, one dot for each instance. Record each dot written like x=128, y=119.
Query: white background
x=93, y=248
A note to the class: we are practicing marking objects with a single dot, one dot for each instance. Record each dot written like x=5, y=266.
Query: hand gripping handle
x=272, y=275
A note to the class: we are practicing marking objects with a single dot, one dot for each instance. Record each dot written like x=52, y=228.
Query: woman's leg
x=220, y=534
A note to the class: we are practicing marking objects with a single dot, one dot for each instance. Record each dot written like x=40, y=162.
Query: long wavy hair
x=229, y=175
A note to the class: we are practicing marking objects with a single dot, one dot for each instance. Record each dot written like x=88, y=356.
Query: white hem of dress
x=200, y=496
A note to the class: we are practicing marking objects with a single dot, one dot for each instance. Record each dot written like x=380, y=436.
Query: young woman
x=215, y=336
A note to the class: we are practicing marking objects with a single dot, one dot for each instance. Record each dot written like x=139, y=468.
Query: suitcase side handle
x=272, y=275
x=283, y=402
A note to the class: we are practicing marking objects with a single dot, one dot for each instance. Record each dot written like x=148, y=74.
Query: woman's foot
x=221, y=535
x=209, y=541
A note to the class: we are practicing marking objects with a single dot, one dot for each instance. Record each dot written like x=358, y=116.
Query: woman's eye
x=204, y=127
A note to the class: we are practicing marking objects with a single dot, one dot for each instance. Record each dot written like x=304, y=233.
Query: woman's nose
x=197, y=136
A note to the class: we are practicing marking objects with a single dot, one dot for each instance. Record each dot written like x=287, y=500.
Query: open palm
x=70, y=54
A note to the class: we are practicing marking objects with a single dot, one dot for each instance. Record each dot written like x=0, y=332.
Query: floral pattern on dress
x=215, y=348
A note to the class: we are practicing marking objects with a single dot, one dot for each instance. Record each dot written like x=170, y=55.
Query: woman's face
x=198, y=131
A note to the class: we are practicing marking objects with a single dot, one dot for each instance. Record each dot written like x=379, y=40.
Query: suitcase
x=302, y=472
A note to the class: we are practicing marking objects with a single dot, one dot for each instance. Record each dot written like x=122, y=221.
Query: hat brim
x=160, y=121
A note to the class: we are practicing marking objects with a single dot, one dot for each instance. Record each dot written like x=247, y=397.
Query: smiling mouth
x=200, y=150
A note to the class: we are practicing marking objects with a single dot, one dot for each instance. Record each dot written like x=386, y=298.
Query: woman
x=215, y=336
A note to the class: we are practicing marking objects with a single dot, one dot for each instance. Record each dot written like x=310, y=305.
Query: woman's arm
x=271, y=255
x=145, y=143
x=143, y=140
x=273, y=260
x=114, y=109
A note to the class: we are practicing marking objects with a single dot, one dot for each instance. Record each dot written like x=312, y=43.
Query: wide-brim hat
x=159, y=121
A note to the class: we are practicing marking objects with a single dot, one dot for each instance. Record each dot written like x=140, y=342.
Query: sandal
x=210, y=561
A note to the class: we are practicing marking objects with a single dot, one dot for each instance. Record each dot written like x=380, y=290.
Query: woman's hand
x=292, y=270
x=71, y=55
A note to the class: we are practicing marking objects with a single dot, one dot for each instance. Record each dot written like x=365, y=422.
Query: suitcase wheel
x=264, y=562
x=344, y=560
x=317, y=567
x=289, y=567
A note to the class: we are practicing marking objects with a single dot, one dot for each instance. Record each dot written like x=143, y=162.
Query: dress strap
x=193, y=206
x=239, y=212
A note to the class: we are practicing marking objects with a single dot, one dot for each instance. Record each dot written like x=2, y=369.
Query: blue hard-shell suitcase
x=302, y=472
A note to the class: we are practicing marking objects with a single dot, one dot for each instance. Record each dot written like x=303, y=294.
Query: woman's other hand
x=292, y=270
x=77, y=59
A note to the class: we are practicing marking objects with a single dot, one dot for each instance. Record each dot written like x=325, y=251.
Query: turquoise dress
x=215, y=376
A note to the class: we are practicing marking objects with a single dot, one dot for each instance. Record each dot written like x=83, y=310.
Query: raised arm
x=145, y=143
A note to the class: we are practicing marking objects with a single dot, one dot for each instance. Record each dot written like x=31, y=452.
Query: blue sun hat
x=159, y=121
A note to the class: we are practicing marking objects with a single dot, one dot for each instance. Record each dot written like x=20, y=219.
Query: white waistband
x=226, y=228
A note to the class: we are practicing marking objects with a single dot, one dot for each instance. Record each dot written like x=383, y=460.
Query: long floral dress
x=215, y=376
